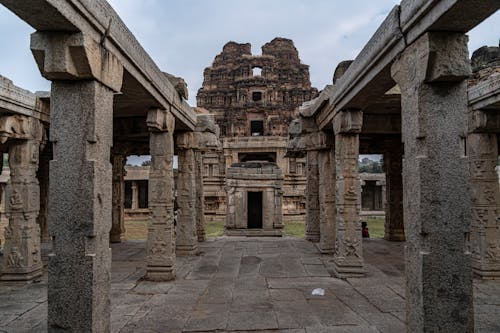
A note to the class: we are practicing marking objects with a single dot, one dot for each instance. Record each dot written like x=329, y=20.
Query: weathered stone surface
x=394, y=221
x=348, y=256
x=486, y=56
x=117, y=234
x=80, y=206
x=312, y=197
x=485, y=204
x=22, y=253
x=326, y=188
x=436, y=199
x=161, y=229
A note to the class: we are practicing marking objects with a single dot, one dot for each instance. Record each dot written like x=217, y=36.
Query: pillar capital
x=160, y=121
x=304, y=135
x=75, y=56
x=19, y=127
x=348, y=122
x=202, y=141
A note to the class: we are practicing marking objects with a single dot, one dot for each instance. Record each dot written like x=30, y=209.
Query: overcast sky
x=184, y=36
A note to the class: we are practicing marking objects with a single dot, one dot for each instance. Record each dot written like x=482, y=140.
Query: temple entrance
x=254, y=210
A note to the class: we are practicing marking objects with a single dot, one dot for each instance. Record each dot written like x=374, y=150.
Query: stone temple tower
x=253, y=99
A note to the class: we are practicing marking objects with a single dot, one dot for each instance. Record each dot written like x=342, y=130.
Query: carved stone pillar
x=117, y=234
x=200, y=200
x=312, y=197
x=135, y=195
x=22, y=256
x=327, y=200
x=161, y=230
x=485, y=198
x=348, y=257
x=186, y=229
x=432, y=76
x=84, y=79
x=43, y=179
x=394, y=222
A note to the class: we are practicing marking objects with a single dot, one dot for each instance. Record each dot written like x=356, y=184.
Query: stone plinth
x=246, y=184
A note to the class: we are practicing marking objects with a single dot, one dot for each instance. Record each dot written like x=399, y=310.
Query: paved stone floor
x=250, y=284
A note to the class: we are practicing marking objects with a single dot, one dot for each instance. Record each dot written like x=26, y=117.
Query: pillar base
x=117, y=238
x=159, y=274
x=186, y=250
x=313, y=237
x=24, y=277
x=344, y=272
x=485, y=274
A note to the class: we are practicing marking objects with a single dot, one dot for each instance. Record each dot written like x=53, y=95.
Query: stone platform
x=250, y=284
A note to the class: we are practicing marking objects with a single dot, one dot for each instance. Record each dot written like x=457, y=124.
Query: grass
x=375, y=226
x=138, y=229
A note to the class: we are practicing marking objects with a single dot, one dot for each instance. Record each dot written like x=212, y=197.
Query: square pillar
x=160, y=262
x=22, y=255
x=117, y=234
x=84, y=79
x=348, y=257
x=432, y=75
x=485, y=204
x=394, y=221
x=186, y=229
x=200, y=199
x=135, y=195
x=312, y=197
x=326, y=164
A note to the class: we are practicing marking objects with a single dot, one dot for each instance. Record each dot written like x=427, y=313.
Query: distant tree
x=146, y=163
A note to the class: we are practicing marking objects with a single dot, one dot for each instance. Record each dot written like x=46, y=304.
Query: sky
x=184, y=36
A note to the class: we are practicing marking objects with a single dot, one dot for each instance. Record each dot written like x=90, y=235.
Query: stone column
x=43, y=178
x=312, y=197
x=394, y=222
x=135, y=195
x=186, y=229
x=200, y=200
x=432, y=76
x=327, y=200
x=485, y=198
x=84, y=79
x=22, y=255
x=117, y=234
x=161, y=230
x=348, y=257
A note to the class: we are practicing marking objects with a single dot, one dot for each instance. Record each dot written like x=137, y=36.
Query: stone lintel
x=75, y=56
x=160, y=121
x=203, y=141
x=348, y=122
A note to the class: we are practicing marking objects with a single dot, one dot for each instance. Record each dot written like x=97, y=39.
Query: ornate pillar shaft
x=117, y=234
x=485, y=198
x=200, y=200
x=161, y=230
x=84, y=79
x=327, y=200
x=312, y=197
x=432, y=75
x=186, y=229
x=394, y=222
x=348, y=257
x=22, y=257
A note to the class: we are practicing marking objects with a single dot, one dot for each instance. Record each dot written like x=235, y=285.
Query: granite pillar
x=186, y=229
x=200, y=200
x=43, y=179
x=482, y=149
x=135, y=195
x=22, y=254
x=84, y=78
x=326, y=163
x=117, y=234
x=432, y=75
x=394, y=222
x=160, y=265
x=312, y=197
x=348, y=256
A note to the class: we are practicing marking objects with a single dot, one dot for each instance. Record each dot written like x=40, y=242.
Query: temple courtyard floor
x=250, y=284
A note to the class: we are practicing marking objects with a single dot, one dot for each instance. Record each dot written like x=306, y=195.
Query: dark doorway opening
x=254, y=210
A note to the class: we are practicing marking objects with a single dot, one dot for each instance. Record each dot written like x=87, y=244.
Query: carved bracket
x=160, y=121
x=18, y=127
x=348, y=122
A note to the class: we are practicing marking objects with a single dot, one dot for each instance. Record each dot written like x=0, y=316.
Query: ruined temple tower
x=254, y=98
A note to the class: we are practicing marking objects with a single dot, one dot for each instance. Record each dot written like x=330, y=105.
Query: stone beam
x=100, y=23
x=369, y=75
